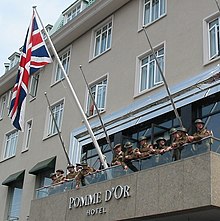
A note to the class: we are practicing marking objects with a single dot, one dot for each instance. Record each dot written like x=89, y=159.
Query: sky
x=15, y=17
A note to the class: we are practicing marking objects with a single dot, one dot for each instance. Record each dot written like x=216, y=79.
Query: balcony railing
x=188, y=150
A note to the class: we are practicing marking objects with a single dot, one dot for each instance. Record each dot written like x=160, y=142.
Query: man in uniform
x=179, y=138
x=118, y=157
x=161, y=148
x=72, y=172
x=131, y=154
x=145, y=148
x=53, y=177
x=60, y=176
x=86, y=170
x=201, y=131
x=161, y=145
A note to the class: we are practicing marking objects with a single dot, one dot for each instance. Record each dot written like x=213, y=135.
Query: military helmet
x=159, y=139
x=116, y=146
x=60, y=170
x=173, y=131
x=70, y=166
x=84, y=164
x=182, y=129
x=52, y=175
x=199, y=121
x=128, y=145
x=142, y=138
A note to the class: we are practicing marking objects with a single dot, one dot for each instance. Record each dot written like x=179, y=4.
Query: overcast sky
x=15, y=18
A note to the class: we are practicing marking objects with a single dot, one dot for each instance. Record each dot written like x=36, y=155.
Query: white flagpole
x=102, y=157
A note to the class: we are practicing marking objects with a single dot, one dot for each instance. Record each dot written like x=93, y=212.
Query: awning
x=43, y=166
x=191, y=90
x=14, y=178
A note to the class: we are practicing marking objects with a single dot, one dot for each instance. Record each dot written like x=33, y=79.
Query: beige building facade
x=107, y=40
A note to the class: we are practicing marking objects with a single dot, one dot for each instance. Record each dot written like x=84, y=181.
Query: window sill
x=151, y=23
x=24, y=150
x=94, y=58
x=3, y=160
x=211, y=61
x=57, y=82
x=32, y=99
x=95, y=115
x=148, y=90
x=49, y=136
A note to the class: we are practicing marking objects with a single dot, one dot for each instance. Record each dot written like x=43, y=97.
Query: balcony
x=162, y=190
x=206, y=145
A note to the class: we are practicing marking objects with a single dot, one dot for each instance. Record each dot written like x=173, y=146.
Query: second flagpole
x=102, y=158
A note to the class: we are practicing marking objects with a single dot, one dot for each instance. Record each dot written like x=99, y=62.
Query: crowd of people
x=124, y=154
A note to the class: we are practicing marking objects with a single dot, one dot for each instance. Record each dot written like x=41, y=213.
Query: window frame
x=58, y=76
x=207, y=57
x=3, y=105
x=9, y=152
x=11, y=202
x=108, y=42
x=34, y=85
x=27, y=137
x=73, y=13
x=139, y=67
x=89, y=103
x=142, y=12
x=50, y=129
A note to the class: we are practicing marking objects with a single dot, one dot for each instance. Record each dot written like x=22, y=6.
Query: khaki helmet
x=142, y=138
x=159, y=139
x=128, y=145
x=52, y=175
x=182, y=129
x=173, y=131
x=199, y=121
x=70, y=166
x=117, y=146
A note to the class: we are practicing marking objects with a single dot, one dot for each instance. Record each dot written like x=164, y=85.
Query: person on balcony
x=179, y=137
x=86, y=170
x=60, y=176
x=131, y=154
x=53, y=177
x=72, y=173
x=145, y=148
x=118, y=157
x=201, y=131
x=161, y=146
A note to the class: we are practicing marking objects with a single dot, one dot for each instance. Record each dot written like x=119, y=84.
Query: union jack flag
x=34, y=55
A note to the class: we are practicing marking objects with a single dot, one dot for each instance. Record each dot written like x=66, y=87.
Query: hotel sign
x=118, y=192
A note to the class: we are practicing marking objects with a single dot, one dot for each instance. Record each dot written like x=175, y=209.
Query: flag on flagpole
x=34, y=55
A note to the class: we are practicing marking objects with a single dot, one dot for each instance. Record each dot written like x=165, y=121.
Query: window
x=73, y=13
x=150, y=75
x=153, y=10
x=27, y=134
x=15, y=187
x=9, y=99
x=34, y=85
x=103, y=38
x=213, y=36
x=14, y=59
x=65, y=60
x=99, y=94
x=15, y=195
x=74, y=10
x=2, y=106
x=57, y=111
x=10, y=144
